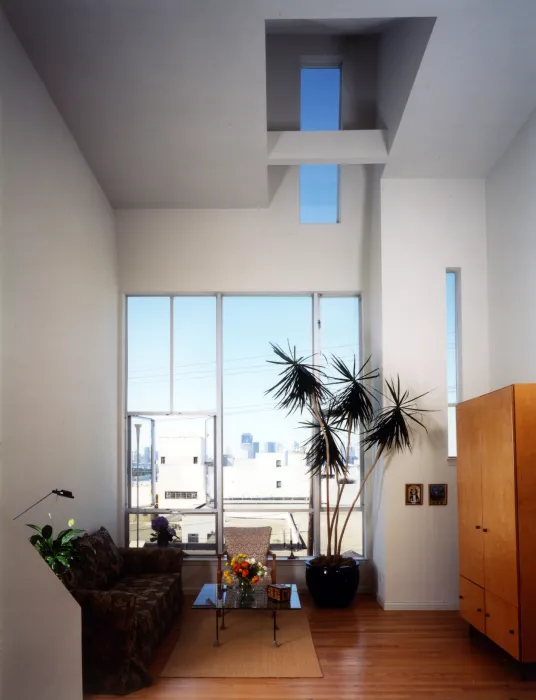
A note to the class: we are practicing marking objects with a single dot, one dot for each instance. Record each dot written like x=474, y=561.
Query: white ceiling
x=167, y=98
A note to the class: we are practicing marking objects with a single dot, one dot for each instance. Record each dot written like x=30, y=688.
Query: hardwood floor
x=366, y=652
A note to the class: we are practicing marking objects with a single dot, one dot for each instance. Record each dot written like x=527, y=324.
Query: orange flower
x=254, y=579
x=244, y=574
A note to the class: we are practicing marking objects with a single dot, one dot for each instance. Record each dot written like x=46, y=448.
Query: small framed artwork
x=414, y=494
x=437, y=494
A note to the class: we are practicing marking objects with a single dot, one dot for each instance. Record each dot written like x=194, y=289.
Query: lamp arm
x=27, y=509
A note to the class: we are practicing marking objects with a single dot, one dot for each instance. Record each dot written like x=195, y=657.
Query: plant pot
x=162, y=540
x=332, y=586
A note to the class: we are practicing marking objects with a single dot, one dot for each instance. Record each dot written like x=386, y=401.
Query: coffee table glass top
x=214, y=596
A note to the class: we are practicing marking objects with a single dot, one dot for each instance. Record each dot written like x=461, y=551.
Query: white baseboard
x=396, y=605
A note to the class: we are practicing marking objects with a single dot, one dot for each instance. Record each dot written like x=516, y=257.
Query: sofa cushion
x=158, y=600
x=102, y=562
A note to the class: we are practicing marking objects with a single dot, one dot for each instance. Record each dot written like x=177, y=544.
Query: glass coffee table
x=223, y=598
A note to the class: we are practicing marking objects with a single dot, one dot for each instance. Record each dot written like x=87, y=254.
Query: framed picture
x=414, y=494
x=437, y=494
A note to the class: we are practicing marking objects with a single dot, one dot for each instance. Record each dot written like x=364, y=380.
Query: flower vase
x=163, y=539
x=245, y=591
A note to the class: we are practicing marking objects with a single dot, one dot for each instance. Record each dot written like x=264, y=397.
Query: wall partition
x=206, y=445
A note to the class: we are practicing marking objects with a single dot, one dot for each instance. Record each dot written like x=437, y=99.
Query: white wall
x=59, y=369
x=246, y=250
x=401, y=50
x=427, y=227
x=511, y=224
x=286, y=54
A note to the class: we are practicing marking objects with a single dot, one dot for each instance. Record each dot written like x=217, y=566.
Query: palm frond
x=354, y=401
x=315, y=446
x=392, y=426
x=301, y=383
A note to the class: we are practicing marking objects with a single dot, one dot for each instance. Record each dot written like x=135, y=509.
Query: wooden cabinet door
x=472, y=604
x=469, y=439
x=499, y=496
x=502, y=624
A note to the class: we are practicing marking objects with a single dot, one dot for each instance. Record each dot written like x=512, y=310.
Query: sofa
x=129, y=600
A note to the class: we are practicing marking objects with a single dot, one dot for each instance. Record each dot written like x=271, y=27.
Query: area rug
x=246, y=647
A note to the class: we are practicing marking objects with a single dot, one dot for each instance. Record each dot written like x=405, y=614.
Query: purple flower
x=173, y=532
x=159, y=523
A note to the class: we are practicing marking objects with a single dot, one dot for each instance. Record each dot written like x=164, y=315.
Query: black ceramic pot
x=332, y=586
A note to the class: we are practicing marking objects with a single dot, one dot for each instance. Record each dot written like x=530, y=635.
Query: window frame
x=456, y=272
x=219, y=497
x=323, y=63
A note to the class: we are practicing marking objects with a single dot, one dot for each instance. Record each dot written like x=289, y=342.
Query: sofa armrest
x=152, y=560
x=109, y=642
x=108, y=611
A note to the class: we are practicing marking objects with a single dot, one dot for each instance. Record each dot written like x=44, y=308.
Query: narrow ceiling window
x=320, y=110
x=453, y=365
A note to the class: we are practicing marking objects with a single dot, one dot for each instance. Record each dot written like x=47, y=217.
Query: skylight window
x=320, y=110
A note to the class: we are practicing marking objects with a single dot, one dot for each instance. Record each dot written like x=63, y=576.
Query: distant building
x=246, y=444
x=270, y=447
x=256, y=449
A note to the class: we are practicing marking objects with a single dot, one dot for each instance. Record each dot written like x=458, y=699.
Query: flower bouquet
x=162, y=534
x=244, y=572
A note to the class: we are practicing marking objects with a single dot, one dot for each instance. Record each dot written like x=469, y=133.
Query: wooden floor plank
x=368, y=653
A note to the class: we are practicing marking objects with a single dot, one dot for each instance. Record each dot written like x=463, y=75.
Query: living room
x=183, y=185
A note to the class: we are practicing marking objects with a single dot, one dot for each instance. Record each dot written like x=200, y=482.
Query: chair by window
x=252, y=541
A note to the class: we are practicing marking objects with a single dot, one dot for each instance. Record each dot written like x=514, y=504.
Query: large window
x=453, y=365
x=320, y=101
x=206, y=446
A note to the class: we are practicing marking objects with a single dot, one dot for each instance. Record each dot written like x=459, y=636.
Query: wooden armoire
x=496, y=436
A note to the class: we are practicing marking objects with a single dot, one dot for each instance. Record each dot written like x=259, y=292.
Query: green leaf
x=34, y=527
x=300, y=384
x=47, y=531
x=34, y=539
x=70, y=535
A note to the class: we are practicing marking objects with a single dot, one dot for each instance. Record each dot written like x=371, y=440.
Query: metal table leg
x=223, y=618
x=217, y=642
x=275, y=628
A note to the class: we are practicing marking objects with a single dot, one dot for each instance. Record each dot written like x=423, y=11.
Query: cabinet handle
x=479, y=609
x=511, y=631
x=484, y=529
x=477, y=527
x=486, y=614
x=460, y=597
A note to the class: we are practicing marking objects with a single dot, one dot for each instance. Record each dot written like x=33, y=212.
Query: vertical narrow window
x=320, y=110
x=194, y=353
x=148, y=354
x=453, y=388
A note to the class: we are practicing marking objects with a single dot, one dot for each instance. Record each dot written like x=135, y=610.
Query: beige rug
x=246, y=647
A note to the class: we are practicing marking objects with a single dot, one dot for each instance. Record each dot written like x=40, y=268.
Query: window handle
x=477, y=527
x=484, y=529
x=511, y=631
x=486, y=615
x=460, y=597
x=479, y=609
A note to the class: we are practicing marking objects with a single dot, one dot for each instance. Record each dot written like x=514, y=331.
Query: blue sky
x=250, y=324
x=320, y=111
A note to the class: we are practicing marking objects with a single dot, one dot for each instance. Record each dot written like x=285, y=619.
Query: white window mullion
x=219, y=423
x=171, y=353
x=316, y=480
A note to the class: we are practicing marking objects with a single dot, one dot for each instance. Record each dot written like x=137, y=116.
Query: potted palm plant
x=340, y=401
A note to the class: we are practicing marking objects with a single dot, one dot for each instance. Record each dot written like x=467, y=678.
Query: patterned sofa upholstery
x=129, y=599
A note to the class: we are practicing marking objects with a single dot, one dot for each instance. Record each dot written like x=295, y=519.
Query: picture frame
x=414, y=495
x=437, y=494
